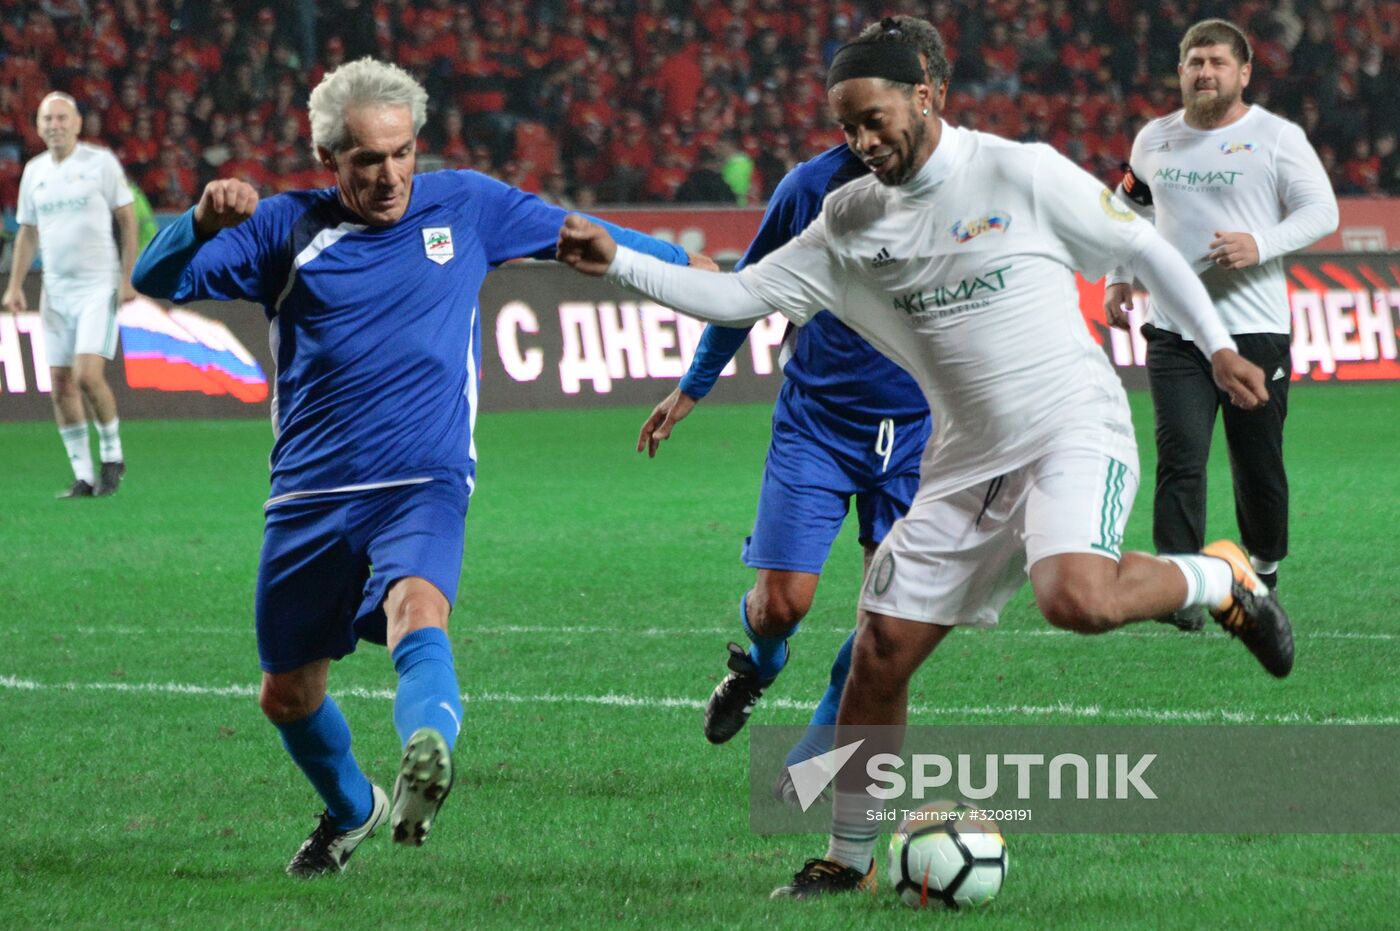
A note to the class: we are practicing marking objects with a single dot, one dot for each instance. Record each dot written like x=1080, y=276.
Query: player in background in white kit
x=956, y=258
x=1234, y=188
x=68, y=197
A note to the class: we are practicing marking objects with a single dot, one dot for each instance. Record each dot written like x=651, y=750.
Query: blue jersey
x=376, y=331
x=836, y=369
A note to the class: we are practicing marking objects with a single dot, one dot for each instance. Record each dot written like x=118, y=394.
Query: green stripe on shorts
x=1111, y=509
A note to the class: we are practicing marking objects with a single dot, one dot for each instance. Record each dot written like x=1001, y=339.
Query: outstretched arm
x=223, y=205
x=716, y=298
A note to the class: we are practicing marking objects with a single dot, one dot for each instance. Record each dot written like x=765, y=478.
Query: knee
x=877, y=662
x=90, y=381
x=1083, y=608
x=283, y=702
x=62, y=385
x=778, y=608
x=410, y=609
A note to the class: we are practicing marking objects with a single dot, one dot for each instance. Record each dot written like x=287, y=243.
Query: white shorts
x=79, y=322
x=959, y=557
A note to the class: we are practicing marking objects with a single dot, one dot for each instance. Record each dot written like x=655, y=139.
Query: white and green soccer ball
x=943, y=856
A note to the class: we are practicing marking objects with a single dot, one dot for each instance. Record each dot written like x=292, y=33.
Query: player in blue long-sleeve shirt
x=848, y=423
x=371, y=290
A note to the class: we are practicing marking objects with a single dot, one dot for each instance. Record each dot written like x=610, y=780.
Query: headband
x=893, y=61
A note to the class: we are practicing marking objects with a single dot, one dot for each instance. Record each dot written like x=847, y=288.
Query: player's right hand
x=15, y=302
x=1117, y=301
x=663, y=420
x=585, y=246
x=1239, y=378
x=225, y=203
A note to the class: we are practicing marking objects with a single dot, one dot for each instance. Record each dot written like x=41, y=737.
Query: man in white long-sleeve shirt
x=956, y=258
x=1234, y=188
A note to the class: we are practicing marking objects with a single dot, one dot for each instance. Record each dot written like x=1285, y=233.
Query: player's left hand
x=126, y=293
x=585, y=246
x=1239, y=378
x=1233, y=251
x=664, y=417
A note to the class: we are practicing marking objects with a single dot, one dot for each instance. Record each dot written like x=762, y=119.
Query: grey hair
x=60, y=95
x=360, y=83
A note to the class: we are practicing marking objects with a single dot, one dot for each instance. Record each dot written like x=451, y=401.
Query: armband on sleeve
x=1134, y=188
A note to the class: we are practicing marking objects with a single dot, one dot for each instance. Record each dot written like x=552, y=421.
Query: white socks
x=110, y=441
x=75, y=440
x=853, y=833
x=1208, y=580
x=1261, y=567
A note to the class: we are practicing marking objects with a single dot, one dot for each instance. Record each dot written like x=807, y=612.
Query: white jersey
x=964, y=276
x=1258, y=175
x=71, y=204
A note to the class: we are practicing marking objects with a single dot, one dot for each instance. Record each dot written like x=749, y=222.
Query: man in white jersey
x=956, y=258
x=68, y=197
x=1234, y=188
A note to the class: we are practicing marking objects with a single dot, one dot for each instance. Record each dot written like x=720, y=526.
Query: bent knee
x=282, y=703
x=1079, y=608
x=778, y=607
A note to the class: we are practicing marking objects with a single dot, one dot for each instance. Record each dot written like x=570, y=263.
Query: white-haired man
x=371, y=288
x=68, y=197
x=956, y=258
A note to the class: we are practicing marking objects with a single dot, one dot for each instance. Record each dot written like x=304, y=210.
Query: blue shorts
x=328, y=561
x=816, y=463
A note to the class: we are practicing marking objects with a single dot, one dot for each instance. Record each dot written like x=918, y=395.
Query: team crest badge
x=1231, y=148
x=997, y=221
x=437, y=244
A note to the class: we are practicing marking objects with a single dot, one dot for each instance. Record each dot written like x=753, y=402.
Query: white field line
x=586, y=630
x=645, y=702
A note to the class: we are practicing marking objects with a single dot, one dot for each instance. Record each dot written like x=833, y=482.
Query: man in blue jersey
x=848, y=423
x=371, y=288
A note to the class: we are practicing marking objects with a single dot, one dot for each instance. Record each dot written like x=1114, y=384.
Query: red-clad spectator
x=647, y=23
x=1083, y=57
x=679, y=80
x=108, y=45
x=592, y=106
x=1362, y=172
x=1002, y=60
x=179, y=72
x=245, y=164
x=171, y=184
x=666, y=177
x=332, y=58
x=570, y=44
x=483, y=87
x=140, y=150
x=777, y=16
x=630, y=146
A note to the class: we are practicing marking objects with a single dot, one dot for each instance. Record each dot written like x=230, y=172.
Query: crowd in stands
x=619, y=101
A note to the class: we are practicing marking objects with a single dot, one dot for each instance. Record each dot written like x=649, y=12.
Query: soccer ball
x=943, y=856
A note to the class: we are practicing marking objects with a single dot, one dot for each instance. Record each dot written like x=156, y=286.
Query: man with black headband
x=957, y=260
x=848, y=423
x=1235, y=189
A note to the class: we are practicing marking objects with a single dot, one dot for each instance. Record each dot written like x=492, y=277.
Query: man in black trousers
x=1234, y=188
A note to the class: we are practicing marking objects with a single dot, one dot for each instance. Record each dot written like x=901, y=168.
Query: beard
x=1207, y=111
x=913, y=143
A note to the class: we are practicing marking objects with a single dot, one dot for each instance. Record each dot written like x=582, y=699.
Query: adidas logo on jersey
x=882, y=258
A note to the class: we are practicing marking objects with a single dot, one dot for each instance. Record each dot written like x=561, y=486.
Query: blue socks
x=820, y=731
x=769, y=654
x=320, y=745
x=428, y=694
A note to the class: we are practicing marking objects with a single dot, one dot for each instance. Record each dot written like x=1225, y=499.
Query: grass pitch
x=143, y=789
